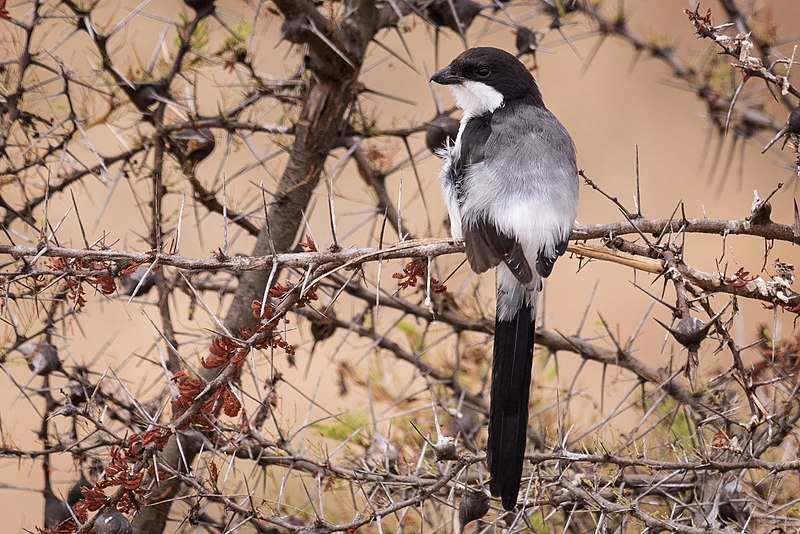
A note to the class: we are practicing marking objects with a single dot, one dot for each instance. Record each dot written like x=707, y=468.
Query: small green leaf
x=342, y=426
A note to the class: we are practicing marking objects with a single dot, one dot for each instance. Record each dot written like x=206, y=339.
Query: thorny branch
x=214, y=440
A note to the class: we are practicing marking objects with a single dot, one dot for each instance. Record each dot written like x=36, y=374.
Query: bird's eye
x=483, y=72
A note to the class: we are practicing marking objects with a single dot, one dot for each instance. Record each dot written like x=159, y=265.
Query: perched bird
x=510, y=183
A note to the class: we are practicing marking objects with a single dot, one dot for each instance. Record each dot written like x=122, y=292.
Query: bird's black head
x=483, y=79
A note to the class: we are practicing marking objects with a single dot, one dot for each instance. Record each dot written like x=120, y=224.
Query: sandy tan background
x=609, y=106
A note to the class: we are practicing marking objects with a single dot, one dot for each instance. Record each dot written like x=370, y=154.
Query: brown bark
x=331, y=91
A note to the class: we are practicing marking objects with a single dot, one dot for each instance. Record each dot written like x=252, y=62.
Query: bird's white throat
x=476, y=98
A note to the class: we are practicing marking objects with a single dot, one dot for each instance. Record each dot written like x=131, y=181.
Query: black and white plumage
x=510, y=183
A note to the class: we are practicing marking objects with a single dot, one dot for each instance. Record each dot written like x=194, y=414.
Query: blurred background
x=616, y=102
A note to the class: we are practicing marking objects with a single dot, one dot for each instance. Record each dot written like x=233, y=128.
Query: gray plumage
x=510, y=183
x=517, y=206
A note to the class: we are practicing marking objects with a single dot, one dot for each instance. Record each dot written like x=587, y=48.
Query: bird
x=510, y=183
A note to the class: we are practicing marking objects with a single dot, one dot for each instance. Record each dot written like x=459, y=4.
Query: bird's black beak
x=446, y=76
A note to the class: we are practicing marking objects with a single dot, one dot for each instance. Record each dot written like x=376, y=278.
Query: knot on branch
x=191, y=146
x=760, y=210
x=473, y=506
x=456, y=14
x=689, y=332
x=201, y=7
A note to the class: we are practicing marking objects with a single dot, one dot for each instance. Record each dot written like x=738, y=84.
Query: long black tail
x=508, y=410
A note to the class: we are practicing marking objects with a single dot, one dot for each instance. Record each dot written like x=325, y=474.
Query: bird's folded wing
x=545, y=262
x=486, y=247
